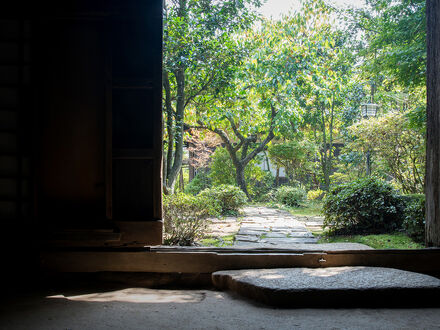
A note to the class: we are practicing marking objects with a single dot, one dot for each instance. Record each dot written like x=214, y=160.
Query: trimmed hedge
x=414, y=222
x=227, y=198
x=364, y=206
x=290, y=196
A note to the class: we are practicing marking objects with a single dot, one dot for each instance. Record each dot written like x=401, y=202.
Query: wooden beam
x=425, y=261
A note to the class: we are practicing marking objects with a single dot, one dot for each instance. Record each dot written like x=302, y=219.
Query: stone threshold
x=332, y=287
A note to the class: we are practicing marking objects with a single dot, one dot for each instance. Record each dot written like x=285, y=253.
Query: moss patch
x=382, y=241
x=221, y=241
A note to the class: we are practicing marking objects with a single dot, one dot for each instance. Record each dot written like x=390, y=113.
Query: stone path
x=262, y=226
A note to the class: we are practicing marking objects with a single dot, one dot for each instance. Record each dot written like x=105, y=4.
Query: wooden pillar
x=432, y=186
x=136, y=47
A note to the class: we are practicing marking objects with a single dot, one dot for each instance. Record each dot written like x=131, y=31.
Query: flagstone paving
x=263, y=226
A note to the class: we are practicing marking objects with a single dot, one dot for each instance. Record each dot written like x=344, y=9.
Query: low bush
x=317, y=194
x=367, y=205
x=268, y=197
x=184, y=218
x=290, y=196
x=263, y=187
x=200, y=182
x=227, y=199
x=414, y=221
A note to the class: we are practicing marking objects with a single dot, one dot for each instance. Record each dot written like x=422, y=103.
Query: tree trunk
x=432, y=185
x=181, y=181
x=191, y=169
x=173, y=171
x=239, y=171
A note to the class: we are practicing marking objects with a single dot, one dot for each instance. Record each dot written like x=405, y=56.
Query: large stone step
x=332, y=287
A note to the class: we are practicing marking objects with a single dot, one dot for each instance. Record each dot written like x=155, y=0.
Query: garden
x=321, y=112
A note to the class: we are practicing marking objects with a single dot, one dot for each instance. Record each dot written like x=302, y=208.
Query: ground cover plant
x=220, y=241
x=397, y=240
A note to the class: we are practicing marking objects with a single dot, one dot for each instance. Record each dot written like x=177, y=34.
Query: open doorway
x=274, y=108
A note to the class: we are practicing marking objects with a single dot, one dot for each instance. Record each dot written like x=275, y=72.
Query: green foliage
x=367, y=205
x=290, y=196
x=414, y=222
x=295, y=157
x=221, y=170
x=401, y=148
x=393, y=39
x=338, y=178
x=323, y=65
x=317, y=194
x=200, y=182
x=228, y=199
x=262, y=187
x=184, y=218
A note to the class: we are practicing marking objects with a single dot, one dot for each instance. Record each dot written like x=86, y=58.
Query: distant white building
x=267, y=165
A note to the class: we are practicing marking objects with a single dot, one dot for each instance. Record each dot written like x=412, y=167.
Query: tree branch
x=235, y=129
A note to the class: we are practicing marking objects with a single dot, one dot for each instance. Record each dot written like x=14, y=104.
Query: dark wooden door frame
x=432, y=179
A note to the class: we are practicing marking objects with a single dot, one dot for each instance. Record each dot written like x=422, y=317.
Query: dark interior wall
x=17, y=248
x=80, y=117
x=15, y=110
x=99, y=113
x=71, y=128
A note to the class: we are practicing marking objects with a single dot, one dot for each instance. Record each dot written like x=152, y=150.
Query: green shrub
x=227, y=198
x=200, y=182
x=414, y=222
x=222, y=170
x=367, y=205
x=315, y=194
x=269, y=197
x=263, y=187
x=290, y=196
x=184, y=218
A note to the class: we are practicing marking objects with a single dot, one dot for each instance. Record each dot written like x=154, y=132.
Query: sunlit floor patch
x=139, y=295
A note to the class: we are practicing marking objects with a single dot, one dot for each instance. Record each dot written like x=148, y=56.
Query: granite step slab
x=332, y=287
x=290, y=240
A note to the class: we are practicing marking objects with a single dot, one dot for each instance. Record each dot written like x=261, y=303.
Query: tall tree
x=199, y=51
x=392, y=40
x=258, y=103
x=323, y=64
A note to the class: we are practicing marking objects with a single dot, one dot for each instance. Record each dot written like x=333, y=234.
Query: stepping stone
x=291, y=240
x=332, y=287
x=275, y=235
x=246, y=238
x=300, y=234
